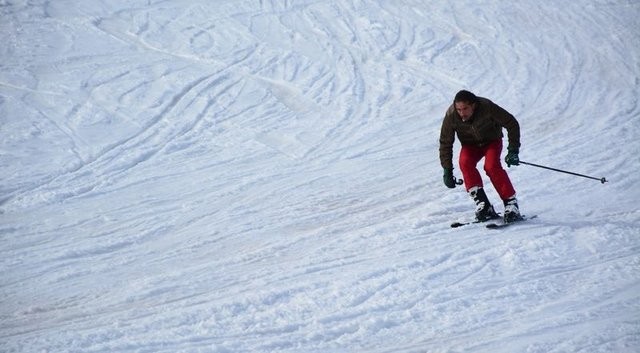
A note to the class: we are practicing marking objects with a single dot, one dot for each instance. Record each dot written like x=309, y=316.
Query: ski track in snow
x=262, y=176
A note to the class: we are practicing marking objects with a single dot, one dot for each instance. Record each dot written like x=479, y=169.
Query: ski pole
x=602, y=180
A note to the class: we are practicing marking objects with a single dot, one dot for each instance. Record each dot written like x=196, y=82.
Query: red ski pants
x=469, y=158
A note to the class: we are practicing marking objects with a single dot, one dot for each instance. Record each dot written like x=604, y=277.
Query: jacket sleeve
x=447, y=137
x=509, y=122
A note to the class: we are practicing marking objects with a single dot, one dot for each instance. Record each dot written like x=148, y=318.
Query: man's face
x=465, y=110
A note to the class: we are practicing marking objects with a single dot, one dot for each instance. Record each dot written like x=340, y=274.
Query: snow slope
x=263, y=176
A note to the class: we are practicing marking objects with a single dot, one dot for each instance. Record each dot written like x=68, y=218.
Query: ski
x=461, y=224
x=504, y=225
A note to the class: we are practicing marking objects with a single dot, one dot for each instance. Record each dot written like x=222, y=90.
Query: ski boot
x=484, y=209
x=511, y=211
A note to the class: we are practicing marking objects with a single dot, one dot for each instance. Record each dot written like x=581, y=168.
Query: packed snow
x=263, y=176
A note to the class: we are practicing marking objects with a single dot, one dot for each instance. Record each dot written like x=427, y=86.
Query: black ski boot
x=484, y=209
x=511, y=210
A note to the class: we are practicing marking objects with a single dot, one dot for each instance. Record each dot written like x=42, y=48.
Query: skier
x=478, y=123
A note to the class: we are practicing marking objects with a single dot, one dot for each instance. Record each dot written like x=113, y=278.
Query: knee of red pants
x=493, y=167
x=470, y=174
x=501, y=181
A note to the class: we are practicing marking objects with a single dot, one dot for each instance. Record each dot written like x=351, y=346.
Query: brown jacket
x=484, y=126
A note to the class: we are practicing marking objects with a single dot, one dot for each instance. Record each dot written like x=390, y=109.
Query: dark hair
x=465, y=96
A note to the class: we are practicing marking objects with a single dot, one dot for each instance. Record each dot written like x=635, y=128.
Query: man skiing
x=478, y=124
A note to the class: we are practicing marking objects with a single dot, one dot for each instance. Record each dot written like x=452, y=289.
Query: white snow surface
x=263, y=176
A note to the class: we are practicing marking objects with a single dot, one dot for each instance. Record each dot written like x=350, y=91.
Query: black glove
x=512, y=157
x=448, y=178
